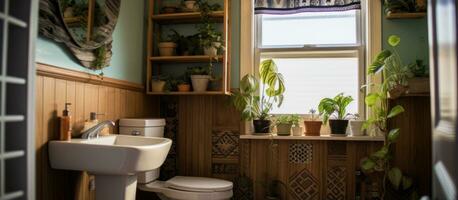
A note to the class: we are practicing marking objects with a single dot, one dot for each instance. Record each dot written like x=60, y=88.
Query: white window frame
x=321, y=51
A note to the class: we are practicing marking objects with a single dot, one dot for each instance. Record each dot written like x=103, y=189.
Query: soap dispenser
x=66, y=124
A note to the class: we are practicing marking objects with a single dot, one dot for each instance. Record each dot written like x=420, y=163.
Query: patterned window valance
x=281, y=7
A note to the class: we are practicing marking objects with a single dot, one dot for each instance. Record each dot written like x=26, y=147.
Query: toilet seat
x=191, y=188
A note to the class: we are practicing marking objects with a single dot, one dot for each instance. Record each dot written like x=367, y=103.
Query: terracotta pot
x=157, y=86
x=284, y=129
x=338, y=126
x=200, y=82
x=312, y=128
x=167, y=48
x=261, y=126
x=356, y=126
x=297, y=131
x=184, y=87
x=397, y=91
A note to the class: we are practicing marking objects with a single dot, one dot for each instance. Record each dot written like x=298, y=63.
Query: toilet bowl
x=178, y=187
x=190, y=188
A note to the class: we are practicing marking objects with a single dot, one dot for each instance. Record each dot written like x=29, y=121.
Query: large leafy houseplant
x=334, y=110
x=379, y=163
x=254, y=104
x=389, y=63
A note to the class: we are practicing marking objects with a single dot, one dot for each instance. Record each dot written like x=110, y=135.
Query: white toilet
x=178, y=187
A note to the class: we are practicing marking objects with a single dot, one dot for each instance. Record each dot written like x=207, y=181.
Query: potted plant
x=284, y=125
x=419, y=82
x=200, y=76
x=158, y=83
x=254, y=104
x=297, y=129
x=167, y=46
x=210, y=39
x=190, y=4
x=183, y=85
x=335, y=108
x=389, y=63
x=313, y=124
x=356, y=126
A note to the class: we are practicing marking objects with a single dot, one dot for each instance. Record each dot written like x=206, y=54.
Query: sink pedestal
x=115, y=187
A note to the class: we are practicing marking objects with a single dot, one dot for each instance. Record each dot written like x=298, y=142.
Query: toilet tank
x=143, y=128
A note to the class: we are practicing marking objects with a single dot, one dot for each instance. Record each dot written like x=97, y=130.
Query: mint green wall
x=128, y=46
x=414, y=37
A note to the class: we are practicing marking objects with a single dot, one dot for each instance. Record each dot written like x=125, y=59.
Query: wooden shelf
x=189, y=93
x=183, y=59
x=405, y=15
x=186, y=17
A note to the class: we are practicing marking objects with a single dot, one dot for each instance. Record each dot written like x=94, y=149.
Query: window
x=320, y=54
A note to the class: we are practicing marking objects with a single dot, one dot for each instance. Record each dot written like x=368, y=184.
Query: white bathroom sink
x=110, y=155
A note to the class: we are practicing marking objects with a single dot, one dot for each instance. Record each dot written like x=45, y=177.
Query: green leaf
x=394, y=40
x=381, y=154
x=406, y=182
x=367, y=165
x=395, y=111
x=371, y=99
x=395, y=177
x=393, y=135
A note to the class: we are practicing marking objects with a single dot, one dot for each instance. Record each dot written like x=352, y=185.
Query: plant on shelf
x=183, y=84
x=419, y=80
x=400, y=6
x=334, y=110
x=389, y=64
x=284, y=124
x=313, y=124
x=379, y=164
x=200, y=76
x=167, y=46
x=210, y=39
x=356, y=125
x=295, y=120
x=158, y=83
x=254, y=104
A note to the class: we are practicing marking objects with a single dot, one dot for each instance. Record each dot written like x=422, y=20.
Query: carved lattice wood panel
x=169, y=111
x=336, y=179
x=300, y=153
x=304, y=186
x=225, y=144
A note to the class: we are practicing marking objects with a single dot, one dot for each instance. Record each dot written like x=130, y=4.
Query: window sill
x=321, y=137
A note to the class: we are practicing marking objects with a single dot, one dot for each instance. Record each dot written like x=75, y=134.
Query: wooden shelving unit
x=416, y=15
x=185, y=59
x=186, y=17
x=154, y=61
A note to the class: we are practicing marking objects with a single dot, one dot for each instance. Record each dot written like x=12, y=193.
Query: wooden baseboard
x=72, y=75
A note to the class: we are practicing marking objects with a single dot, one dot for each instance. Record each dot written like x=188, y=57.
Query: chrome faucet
x=95, y=130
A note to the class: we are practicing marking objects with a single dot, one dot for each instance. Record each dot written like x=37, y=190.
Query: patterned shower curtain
x=280, y=7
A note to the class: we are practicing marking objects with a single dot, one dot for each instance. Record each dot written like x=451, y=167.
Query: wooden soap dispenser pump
x=66, y=124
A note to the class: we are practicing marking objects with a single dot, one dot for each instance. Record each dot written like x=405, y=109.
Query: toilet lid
x=198, y=184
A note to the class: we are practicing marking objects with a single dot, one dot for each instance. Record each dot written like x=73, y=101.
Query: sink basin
x=114, y=154
x=113, y=159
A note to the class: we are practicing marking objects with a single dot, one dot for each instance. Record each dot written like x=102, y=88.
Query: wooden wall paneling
x=413, y=149
x=51, y=95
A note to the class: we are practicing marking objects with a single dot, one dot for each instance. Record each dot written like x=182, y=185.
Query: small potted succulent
x=334, y=110
x=167, y=46
x=297, y=129
x=158, y=83
x=284, y=125
x=183, y=85
x=356, y=126
x=312, y=124
x=200, y=76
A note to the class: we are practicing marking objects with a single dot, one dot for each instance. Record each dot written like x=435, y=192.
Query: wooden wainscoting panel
x=114, y=100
